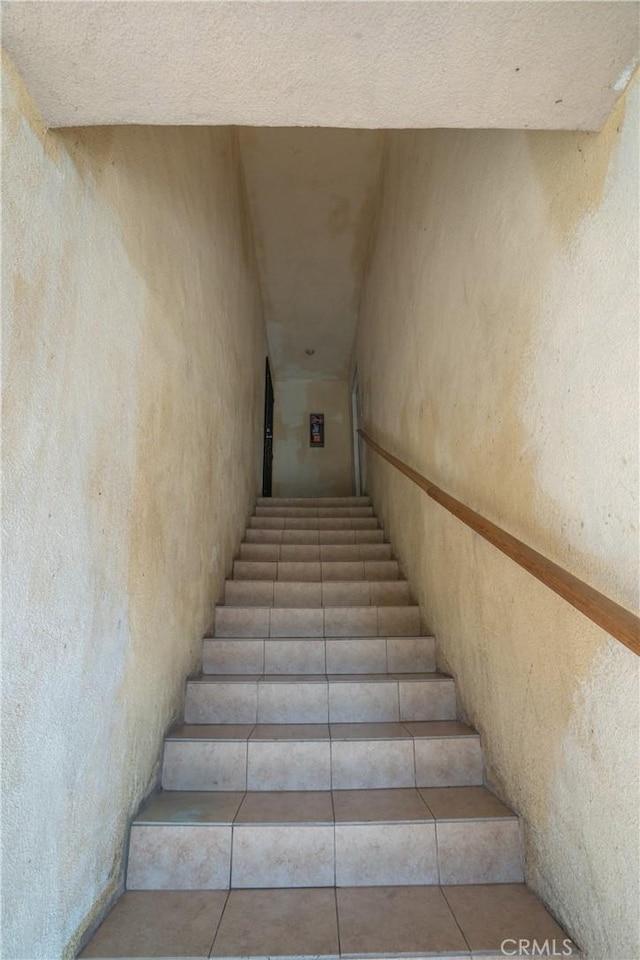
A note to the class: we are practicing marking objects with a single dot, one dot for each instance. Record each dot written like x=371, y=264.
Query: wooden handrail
x=614, y=619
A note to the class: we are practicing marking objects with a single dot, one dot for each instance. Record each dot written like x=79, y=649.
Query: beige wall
x=298, y=469
x=133, y=355
x=498, y=354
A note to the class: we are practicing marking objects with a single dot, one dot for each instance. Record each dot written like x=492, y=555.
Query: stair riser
x=313, y=523
x=331, y=513
x=358, y=655
x=279, y=593
x=369, y=621
x=386, y=701
x=313, y=537
x=313, y=502
x=316, y=571
x=171, y=857
x=315, y=553
x=321, y=764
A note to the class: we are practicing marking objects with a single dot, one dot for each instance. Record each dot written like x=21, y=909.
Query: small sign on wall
x=316, y=429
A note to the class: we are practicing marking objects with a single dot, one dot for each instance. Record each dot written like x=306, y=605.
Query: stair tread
x=317, y=677
x=438, y=729
x=325, y=923
x=284, y=807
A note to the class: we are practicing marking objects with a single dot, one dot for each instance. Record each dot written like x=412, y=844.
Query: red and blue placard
x=316, y=429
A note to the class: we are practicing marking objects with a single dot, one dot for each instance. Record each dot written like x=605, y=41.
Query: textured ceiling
x=431, y=63
x=311, y=194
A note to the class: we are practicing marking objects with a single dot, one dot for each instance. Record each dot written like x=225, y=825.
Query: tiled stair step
x=318, y=593
x=311, y=537
x=331, y=512
x=298, y=570
x=310, y=698
x=434, y=922
x=356, y=621
x=313, y=523
x=316, y=553
x=313, y=502
x=320, y=655
x=346, y=838
x=339, y=756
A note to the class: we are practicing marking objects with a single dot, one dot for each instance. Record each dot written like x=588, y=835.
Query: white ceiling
x=311, y=193
x=431, y=63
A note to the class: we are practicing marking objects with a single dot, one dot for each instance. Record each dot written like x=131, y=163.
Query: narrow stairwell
x=322, y=800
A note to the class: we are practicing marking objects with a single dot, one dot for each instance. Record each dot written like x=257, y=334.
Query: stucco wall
x=298, y=469
x=133, y=356
x=497, y=353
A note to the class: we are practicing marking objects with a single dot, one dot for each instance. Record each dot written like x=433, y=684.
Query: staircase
x=322, y=800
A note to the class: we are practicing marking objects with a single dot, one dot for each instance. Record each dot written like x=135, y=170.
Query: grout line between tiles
x=451, y=910
x=215, y=932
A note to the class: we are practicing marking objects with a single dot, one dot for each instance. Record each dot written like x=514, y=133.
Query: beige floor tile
x=388, y=853
x=335, y=537
x=242, y=621
x=339, y=553
x=390, y=593
x=287, y=764
x=374, y=551
x=228, y=702
x=402, y=621
x=369, y=536
x=233, y=656
x=371, y=764
x=396, y=920
x=283, y=856
x=311, y=806
x=179, y=858
x=350, y=621
x=292, y=702
x=299, y=571
x=364, y=523
x=248, y=593
x=300, y=537
x=490, y=914
x=448, y=762
x=381, y=569
x=266, y=523
x=212, y=731
x=278, y=923
x=480, y=851
x=357, y=655
x=363, y=701
x=456, y=803
x=297, y=594
x=159, y=923
x=291, y=731
x=362, y=806
x=345, y=594
x=438, y=728
x=410, y=654
x=262, y=536
x=176, y=807
x=260, y=552
x=255, y=570
x=427, y=699
x=303, y=655
x=343, y=570
x=369, y=731
x=300, y=553
x=202, y=765
x=289, y=622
